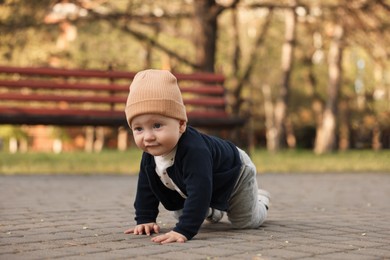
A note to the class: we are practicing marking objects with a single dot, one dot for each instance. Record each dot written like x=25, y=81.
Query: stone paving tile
x=180, y=255
x=374, y=252
x=313, y=216
x=347, y=256
x=284, y=253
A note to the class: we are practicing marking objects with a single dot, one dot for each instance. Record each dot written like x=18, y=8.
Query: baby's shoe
x=214, y=216
x=264, y=196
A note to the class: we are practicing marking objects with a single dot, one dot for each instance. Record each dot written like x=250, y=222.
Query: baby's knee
x=247, y=224
x=249, y=221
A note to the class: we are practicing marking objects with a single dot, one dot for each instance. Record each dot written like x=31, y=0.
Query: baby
x=194, y=175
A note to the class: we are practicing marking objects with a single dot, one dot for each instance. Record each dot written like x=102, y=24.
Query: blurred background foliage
x=247, y=41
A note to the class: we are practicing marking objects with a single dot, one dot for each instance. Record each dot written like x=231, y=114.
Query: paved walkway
x=313, y=216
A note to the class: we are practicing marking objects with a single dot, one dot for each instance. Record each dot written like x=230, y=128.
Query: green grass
x=307, y=161
x=106, y=162
x=115, y=162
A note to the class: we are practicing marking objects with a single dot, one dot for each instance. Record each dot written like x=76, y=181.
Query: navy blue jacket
x=205, y=170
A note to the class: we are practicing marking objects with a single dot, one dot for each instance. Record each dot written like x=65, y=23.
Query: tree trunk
x=205, y=33
x=236, y=43
x=326, y=133
x=89, y=138
x=13, y=145
x=282, y=101
x=99, y=142
x=247, y=71
x=269, y=118
x=122, y=139
x=290, y=135
x=376, y=137
x=344, y=129
x=317, y=104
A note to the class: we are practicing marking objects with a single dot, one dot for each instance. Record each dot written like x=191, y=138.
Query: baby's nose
x=149, y=135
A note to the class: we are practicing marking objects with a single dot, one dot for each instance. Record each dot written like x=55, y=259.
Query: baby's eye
x=157, y=125
x=137, y=129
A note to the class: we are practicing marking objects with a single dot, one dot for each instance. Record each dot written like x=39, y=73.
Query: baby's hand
x=147, y=229
x=170, y=237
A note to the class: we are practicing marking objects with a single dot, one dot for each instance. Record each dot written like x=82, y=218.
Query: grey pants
x=245, y=209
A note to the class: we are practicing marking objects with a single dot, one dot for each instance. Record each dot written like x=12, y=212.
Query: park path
x=312, y=216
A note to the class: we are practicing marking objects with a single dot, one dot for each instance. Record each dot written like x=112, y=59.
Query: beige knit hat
x=155, y=92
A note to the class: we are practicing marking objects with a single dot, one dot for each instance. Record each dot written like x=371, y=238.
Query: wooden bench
x=74, y=97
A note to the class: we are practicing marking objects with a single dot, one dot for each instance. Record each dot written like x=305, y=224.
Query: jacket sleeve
x=197, y=173
x=146, y=203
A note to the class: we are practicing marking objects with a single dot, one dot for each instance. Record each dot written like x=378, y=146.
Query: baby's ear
x=183, y=126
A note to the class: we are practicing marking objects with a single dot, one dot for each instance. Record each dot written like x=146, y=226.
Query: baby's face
x=157, y=134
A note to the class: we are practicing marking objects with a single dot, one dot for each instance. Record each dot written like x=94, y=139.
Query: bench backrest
x=55, y=96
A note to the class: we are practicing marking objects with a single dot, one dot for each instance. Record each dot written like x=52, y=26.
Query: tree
x=205, y=31
x=326, y=134
x=359, y=18
x=280, y=126
x=189, y=36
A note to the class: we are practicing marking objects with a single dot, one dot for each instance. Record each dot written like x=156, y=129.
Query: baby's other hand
x=146, y=229
x=170, y=237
